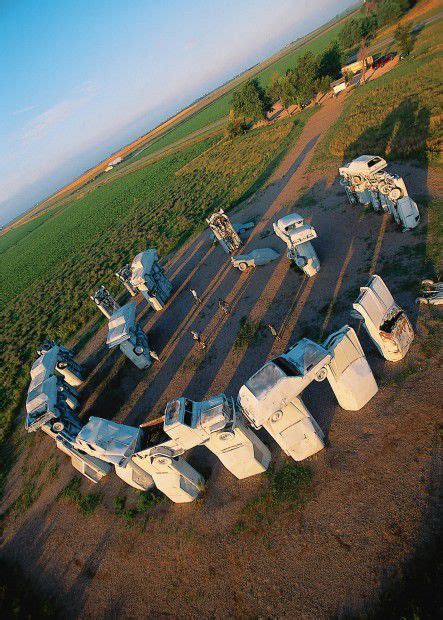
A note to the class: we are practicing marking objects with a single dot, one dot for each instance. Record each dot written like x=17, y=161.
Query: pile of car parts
x=152, y=455
x=224, y=231
x=431, y=293
x=367, y=182
x=386, y=323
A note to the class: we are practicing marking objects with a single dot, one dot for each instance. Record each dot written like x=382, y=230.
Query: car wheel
x=395, y=193
x=321, y=375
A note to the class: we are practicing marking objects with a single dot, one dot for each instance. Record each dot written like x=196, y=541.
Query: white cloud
x=38, y=127
x=28, y=108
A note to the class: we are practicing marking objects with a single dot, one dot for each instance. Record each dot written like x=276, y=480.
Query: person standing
x=224, y=306
x=274, y=332
x=195, y=296
x=198, y=338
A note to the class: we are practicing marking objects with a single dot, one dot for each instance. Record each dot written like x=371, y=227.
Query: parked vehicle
x=261, y=256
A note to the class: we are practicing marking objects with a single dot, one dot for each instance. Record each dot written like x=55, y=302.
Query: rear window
x=373, y=162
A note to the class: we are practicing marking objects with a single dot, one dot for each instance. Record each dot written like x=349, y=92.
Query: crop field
x=82, y=246
x=13, y=236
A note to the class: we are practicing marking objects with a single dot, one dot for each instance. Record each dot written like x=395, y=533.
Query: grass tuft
x=85, y=503
x=287, y=488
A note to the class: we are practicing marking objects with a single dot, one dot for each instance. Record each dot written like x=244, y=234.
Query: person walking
x=197, y=337
x=274, y=332
x=195, y=296
x=224, y=306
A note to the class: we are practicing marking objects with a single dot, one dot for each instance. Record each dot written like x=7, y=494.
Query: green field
x=220, y=108
x=80, y=247
x=13, y=236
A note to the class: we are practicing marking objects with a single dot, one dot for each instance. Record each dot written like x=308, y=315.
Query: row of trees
x=312, y=74
x=378, y=14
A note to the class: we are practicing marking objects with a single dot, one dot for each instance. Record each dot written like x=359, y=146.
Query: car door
x=295, y=430
x=348, y=372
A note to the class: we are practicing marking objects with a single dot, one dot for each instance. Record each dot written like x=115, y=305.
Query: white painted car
x=386, y=323
x=138, y=463
x=223, y=230
x=298, y=236
x=126, y=333
x=255, y=258
x=148, y=276
x=363, y=166
x=217, y=424
x=348, y=372
x=270, y=399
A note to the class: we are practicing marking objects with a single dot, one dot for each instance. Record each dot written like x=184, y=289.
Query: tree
x=404, y=39
x=368, y=26
x=234, y=127
x=329, y=63
x=350, y=34
x=288, y=94
x=251, y=101
x=323, y=84
x=275, y=88
x=390, y=10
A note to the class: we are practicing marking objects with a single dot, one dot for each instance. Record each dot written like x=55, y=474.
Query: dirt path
x=370, y=500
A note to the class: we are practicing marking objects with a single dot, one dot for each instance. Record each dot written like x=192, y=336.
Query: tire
x=356, y=179
x=276, y=416
x=321, y=375
x=242, y=266
x=395, y=194
x=301, y=262
x=162, y=460
x=138, y=350
x=384, y=189
x=58, y=426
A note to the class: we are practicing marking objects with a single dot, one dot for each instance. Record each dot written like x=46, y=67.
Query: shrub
x=287, y=487
x=85, y=503
x=248, y=333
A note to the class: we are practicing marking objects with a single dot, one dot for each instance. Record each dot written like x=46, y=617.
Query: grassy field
x=397, y=115
x=15, y=235
x=81, y=247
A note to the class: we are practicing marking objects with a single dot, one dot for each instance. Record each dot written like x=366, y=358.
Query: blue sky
x=80, y=78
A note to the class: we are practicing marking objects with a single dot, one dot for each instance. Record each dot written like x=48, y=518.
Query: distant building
x=115, y=161
x=108, y=168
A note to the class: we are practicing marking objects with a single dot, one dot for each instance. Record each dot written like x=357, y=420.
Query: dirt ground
x=374, y=495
